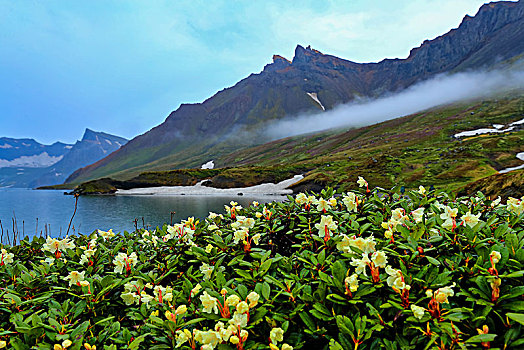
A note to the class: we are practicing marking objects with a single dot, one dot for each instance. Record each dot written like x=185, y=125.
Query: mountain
x=32, y=164
x=93, y=147
x=310, y=82
x=29, y=153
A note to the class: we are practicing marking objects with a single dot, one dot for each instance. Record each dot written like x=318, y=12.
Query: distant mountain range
x=28, y=163
x=310, y=82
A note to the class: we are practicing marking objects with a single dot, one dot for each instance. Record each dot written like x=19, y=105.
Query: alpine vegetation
x=365, y=269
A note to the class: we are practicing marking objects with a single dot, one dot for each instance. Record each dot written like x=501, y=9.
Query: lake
x=41, y=212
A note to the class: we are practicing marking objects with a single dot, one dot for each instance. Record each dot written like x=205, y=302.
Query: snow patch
x=68, y=147
x=200, y=190
x=518, y=122
x=109, y=142
x=208, y=165
x=38, y=161
x=482, y=131
x=314, y=96
x=498, y=126
x=519, y=156
x=6, y=146
x=25, y=144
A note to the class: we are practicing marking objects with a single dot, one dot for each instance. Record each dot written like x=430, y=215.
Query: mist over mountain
x=314, y=82
x=441, y=90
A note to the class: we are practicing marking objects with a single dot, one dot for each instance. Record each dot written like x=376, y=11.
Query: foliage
x=366, y=270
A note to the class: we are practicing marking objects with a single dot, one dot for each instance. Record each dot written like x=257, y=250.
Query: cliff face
x=311, y=82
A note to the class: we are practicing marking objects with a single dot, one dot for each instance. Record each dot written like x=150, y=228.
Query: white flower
x=361, y=182
x=441, y=295
x=322, y=205
x=344, y=244
x=421, y=190
x=449, y=213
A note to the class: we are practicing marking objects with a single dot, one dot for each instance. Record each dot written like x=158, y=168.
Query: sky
x=121, y=66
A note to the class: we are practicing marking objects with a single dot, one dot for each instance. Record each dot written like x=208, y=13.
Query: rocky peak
x=279, y=63
x=305, y=55
x=90, y=135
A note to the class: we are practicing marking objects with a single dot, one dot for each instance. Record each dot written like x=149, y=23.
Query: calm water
x=50, y=211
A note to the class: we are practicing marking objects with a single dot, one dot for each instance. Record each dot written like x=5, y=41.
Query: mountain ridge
x=195, y=133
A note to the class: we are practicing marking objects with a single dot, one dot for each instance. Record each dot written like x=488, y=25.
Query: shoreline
x=266, y=189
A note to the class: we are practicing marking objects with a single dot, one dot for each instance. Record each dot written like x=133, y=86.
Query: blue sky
x=122, y=66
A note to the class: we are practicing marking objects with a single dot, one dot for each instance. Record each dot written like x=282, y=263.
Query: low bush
x=361, y=270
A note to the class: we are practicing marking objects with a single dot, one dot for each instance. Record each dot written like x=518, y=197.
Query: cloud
x=441, y=90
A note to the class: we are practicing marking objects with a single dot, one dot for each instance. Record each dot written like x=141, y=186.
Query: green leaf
x=136, y=343
x=481, y=338
x=266, y=290
x=516, y=317
x=307, y=320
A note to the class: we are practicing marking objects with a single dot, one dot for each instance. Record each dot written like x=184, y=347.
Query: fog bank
x=441, y=90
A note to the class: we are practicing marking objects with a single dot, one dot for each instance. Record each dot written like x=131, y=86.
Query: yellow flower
x=234, y=340
x=170, y=316
x=233, y=300
x=243, y=335
x=130, y=298
x=418, y=311
x=276, y=335
x=495, y=256
x=322, y=204
x=352, y=281
x=301, y=198
x=286, y=347
x=182, y=337
x=326, y=222
x=421, y=190
x=209, y=248
x=379, y=258
x=206, y=270
x=253, y=299
x=470, y=219
x=418, y=214
x=344, y=244
x=197, y=289
x=208, y=337
x=350, y=201
x=84, y=283
x=361, y=182
x=5, y=257
x=181, y=310
x=242, y=307
x=209, y=303
x=155, y=313
x=3, y=344
x=273, y=347
x=75, y=277
x=89, y=347
x=238, y=320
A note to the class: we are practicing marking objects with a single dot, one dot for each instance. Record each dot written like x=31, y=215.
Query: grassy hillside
x=409, y=151
x=413, y=150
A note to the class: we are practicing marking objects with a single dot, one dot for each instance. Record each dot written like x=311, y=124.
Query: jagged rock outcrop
x=197, y=132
